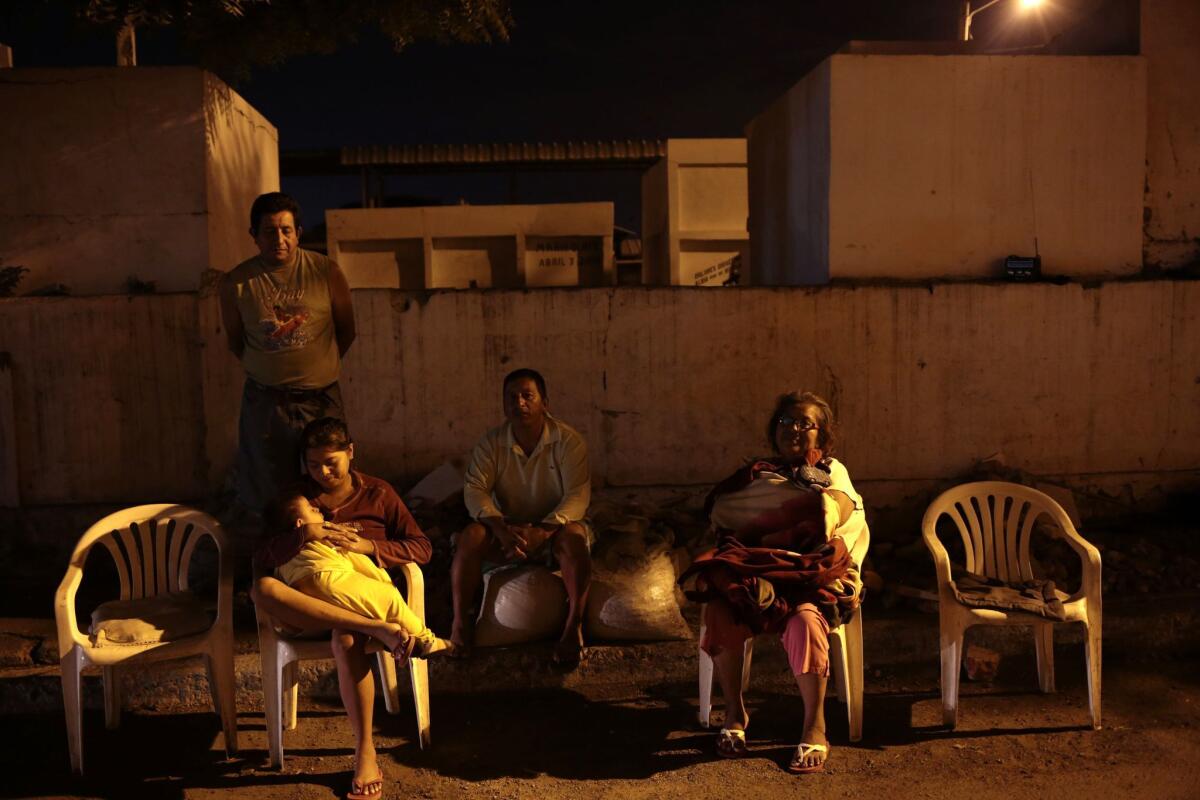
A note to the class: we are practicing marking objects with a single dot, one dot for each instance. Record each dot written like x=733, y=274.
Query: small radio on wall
x=1024, y=268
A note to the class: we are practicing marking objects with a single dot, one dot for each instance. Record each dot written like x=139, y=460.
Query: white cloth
x=770, y=490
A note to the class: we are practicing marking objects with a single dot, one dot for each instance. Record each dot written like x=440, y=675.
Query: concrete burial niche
x=1170, y=39
x=118, y=173
x=922, y=166
x=474, y=247
x=694, y=213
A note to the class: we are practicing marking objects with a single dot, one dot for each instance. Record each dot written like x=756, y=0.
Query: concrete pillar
x=1170, y=30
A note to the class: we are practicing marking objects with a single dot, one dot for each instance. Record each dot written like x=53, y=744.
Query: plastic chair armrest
x=64, y=611
x=1089, y=558
x=414, y=581
x=941, y=559
x=225, y=569
x=64, y=599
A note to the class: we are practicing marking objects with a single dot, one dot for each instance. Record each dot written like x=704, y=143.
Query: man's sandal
x=731, y=743
x=797, y=766
x=365, y=790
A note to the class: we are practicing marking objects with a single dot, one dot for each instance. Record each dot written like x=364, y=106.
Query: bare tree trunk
x=126, y=45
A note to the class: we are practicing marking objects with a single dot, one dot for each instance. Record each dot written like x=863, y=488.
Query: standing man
x=527, y=488
x=289, y=320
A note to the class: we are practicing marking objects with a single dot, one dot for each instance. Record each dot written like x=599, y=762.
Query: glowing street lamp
x=967, y=14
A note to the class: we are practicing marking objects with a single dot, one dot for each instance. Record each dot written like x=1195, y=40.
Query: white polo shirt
x=552, y=484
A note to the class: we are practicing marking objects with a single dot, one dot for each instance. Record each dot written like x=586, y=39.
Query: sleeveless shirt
x=288, y=320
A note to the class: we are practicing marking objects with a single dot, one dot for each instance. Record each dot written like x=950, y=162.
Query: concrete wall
x=114, y=173
x=671, y=385
x=461, y=247
x=106, y=394
x=694, y=212
x=1170, y=31
x=940, y=166
x=241, y=162
x=788, y=153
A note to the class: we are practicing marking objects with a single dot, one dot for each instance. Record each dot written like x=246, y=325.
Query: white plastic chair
x=845, y=657
x=846, y=664
x=996, y=522
x=280, y=656
x=152, y=548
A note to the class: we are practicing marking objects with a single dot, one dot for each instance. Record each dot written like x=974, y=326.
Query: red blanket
x=777, y=552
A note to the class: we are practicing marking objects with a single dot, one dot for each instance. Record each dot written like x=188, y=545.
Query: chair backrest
x=151, y=546
x=996, y=521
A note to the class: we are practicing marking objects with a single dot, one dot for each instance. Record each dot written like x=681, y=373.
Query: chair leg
x=852, y=644
x=111, y=679
x=223, y=685
x=1043, y=644
x=291, y=694
x=747, y=656
x=387, y=680
x=839, y=663
x=704, y=710
x=951, y=643
x=1092, y=656
x=272, y=684
x=418, y=669
x=70, y=665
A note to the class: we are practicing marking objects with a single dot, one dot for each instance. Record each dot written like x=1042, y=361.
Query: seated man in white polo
x=527, y=488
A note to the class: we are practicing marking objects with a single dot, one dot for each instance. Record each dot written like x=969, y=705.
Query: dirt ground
x=561, y=745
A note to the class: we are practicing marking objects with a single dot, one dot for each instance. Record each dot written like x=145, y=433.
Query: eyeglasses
x=802, y=424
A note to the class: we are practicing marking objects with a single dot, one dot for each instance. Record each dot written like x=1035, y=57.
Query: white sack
x=637, y=603
x=521, y=604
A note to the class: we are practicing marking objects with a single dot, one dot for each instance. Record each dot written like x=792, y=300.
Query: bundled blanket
x=775, y=548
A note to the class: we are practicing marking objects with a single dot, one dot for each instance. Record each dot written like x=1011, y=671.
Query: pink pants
x=805, y=637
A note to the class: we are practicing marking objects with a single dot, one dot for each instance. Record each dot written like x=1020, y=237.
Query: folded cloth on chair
x=1038, y=597
x=149, y=620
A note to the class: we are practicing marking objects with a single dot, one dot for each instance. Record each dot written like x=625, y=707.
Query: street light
x=967, y=14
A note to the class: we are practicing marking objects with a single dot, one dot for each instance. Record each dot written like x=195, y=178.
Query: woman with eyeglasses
x=791, y=536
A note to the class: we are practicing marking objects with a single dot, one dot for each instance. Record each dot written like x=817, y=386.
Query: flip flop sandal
x=360, y=790
x=404, y=650
x=731, y=743
x=429, y=644
x=803, y=751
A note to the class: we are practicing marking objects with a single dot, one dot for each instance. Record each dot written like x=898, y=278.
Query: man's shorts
x=543, y=555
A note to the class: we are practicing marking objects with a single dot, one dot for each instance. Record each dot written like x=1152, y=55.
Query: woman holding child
x=329, y=542
x=790, y=539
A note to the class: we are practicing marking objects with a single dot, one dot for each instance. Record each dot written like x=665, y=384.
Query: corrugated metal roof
x=496, y=153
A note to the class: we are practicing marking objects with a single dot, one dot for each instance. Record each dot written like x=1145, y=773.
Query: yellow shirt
x=552, y=484
x=316, y=557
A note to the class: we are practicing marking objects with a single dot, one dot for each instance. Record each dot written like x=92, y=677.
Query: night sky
x=586, y=69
